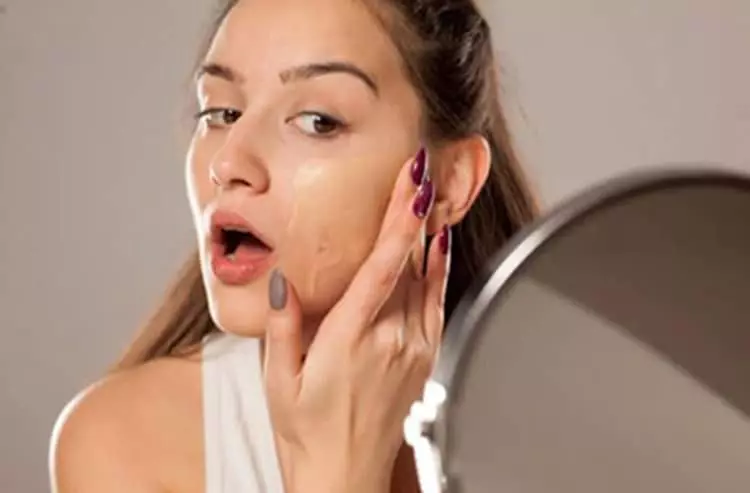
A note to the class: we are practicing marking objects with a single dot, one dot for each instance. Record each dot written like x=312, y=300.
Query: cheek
x=197, y=178
x=334, y=221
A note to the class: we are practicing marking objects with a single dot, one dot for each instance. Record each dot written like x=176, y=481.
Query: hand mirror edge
x=426, y=428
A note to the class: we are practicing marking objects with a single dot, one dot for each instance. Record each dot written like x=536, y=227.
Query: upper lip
x=228, y=220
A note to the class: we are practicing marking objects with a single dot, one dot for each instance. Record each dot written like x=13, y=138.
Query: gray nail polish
x=277, y=290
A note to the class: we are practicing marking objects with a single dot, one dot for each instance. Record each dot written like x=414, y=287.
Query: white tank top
x=240, y=454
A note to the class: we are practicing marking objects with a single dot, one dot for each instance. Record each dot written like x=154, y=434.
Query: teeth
x=230, y=257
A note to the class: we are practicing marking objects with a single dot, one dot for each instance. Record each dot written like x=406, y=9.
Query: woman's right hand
x=338, y=417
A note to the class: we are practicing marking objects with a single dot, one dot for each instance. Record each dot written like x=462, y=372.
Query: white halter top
x=240, y=453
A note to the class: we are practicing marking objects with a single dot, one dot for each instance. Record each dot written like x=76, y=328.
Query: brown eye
x=219, y=117
x=317, y=124
x=230, y=116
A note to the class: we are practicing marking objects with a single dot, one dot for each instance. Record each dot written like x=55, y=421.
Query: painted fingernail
x=423, y=200
x=444, y=240
x=277, y=290
x=419, y=167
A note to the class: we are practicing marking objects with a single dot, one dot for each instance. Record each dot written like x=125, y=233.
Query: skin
x=308, y=178
x=328, y=206
x=325, y=262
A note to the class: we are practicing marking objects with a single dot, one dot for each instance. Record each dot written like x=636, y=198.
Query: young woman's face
x=308, y=118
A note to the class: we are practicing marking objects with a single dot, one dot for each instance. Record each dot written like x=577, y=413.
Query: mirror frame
x=426, y=428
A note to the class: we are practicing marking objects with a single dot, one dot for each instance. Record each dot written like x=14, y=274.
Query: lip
x=241, y=269
x=222, y=219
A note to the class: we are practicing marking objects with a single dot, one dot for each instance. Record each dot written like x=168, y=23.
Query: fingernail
x=423, y=200
x=277, y=290
x=444, y=240
x=419, y=167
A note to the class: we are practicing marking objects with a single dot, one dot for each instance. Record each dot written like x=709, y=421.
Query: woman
x=333, y=138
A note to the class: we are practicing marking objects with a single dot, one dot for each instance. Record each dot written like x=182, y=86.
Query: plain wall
x=93, y=100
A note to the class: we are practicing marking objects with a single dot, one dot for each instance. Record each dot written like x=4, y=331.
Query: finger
x=412, y=175
x=417, y=255
x=374, y=282
x=410, y=204
x=415, y=313
x=283, y=358
x=436, y=281
x=414, y=301
x=391, y=327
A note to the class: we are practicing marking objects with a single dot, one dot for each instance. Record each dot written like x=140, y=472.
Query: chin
x=239, y=310
x=242, y=310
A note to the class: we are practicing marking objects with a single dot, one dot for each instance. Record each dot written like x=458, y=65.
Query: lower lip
x=246, y=266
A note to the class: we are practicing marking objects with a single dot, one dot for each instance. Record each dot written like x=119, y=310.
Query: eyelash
x=339, y=126
x=210, y=112
x=235, y=115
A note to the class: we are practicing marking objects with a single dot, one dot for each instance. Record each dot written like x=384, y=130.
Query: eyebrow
x=313, y=70
x=302, y=72
x=217, y=70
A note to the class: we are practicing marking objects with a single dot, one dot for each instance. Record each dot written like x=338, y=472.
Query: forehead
x=267, y=36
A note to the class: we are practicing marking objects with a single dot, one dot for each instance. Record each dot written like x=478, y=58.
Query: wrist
x=328, y=475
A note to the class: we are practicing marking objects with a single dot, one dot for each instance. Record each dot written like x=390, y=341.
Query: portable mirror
x=606, y=349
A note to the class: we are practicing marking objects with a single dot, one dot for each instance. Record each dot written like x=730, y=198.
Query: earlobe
x=463, y=171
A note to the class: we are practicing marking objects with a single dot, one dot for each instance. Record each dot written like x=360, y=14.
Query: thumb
x=283, y=343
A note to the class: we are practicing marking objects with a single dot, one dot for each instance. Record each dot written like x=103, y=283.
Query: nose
x=236, y=166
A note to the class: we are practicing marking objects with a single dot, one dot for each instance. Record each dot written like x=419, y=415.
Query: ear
x=459, y=171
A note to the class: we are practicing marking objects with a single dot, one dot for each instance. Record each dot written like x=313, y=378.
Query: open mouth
x=238, y=253
x=236, y=241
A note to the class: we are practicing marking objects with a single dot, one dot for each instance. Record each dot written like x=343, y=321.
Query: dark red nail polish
x=444, y=240
x=423, y=201
x=419, y=167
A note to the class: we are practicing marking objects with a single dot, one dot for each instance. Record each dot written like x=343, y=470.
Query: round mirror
x=607, y=350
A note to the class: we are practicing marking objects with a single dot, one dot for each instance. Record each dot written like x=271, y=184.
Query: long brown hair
x=447, y=51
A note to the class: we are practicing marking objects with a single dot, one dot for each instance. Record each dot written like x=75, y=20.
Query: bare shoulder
x=137, y=431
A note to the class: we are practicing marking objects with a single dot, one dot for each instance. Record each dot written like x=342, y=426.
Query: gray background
x=93, y=106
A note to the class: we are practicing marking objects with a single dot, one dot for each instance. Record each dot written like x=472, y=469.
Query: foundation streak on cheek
x=332, y=227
